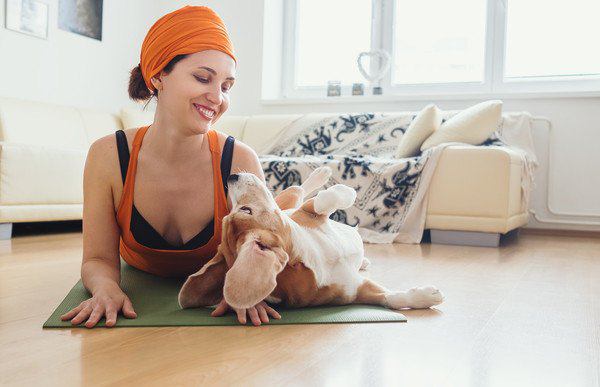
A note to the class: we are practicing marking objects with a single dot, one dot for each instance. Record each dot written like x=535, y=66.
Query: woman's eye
x=204, y=80
x=248, y=210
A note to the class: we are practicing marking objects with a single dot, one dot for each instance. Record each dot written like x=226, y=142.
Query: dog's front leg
x=370, y=292
x=293, y=197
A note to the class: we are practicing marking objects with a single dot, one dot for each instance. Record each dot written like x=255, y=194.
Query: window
x=443, y=47
x=330, y=35
x=560, y=41
x=439, y=41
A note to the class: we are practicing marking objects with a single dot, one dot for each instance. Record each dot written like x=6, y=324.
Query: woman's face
x=196, y=91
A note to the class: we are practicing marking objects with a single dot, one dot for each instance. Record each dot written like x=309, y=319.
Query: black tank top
x=141, y=230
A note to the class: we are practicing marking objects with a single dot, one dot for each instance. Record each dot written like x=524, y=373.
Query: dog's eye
x=246, y=209
x=262, y=246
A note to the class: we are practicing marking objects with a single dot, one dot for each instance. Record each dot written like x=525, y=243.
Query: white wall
x=70, y=69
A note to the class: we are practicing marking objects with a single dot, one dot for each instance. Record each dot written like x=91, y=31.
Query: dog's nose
x=233, y=178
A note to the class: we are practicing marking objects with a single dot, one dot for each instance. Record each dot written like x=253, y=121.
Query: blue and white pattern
x=359, y=149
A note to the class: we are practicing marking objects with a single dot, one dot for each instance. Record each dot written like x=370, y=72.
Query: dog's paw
x=424, y=297
x=365, y=263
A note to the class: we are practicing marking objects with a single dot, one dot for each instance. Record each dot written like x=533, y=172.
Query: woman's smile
x=205, y=113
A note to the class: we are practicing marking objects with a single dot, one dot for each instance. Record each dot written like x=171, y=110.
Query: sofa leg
x=465, y=238
x=5, y=231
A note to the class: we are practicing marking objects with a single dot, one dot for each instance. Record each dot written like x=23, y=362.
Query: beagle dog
x=287, y=251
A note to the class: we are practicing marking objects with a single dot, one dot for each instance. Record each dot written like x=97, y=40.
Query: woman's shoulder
x=103, y=155
x=108, y=143
x=244, y=157
x=240, y=147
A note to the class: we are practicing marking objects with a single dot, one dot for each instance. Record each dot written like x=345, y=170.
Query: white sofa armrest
x=476, y=189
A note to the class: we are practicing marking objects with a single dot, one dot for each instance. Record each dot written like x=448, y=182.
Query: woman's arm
x=100, y=267
x=101, y=264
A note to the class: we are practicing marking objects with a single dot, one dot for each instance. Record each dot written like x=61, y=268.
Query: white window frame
x=493, y=85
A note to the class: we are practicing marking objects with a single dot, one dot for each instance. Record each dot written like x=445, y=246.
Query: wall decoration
x=375, y=75
x=27, y=16
x=83, y=17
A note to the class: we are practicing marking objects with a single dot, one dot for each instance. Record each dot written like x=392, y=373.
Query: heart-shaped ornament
x=384, y=58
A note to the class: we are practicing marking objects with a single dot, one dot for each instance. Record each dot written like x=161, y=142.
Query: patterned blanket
x=359, y=148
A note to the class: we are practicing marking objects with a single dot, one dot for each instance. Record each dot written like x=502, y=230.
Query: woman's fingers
x=272, y=312
x=262, y=313
x=128, y=309
x=220, y=309
x=254, y=316
x=82, y=315
x=73, y=312
x=258, y=314
x=241, y=315
x=111, y=316
x=95, y=316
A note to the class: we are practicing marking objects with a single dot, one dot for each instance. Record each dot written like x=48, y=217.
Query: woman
x=177, y=165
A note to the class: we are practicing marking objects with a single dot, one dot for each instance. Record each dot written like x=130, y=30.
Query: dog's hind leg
x=370, y=292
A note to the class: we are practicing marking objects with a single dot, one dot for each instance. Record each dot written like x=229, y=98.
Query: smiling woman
x=166, y=182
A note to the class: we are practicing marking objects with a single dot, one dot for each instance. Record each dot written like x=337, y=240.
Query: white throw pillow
x=426, y=122
x=136, y=117
x=472, y=126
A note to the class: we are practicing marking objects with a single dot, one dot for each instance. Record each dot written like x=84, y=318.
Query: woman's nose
x=215, y=97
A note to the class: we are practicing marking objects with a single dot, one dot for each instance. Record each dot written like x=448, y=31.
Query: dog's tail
x=316, y=180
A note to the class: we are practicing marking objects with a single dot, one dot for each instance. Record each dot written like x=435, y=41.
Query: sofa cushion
x=42, y=124
x=421, y=127
x=99, y=124
x=471, y=126
x=135, y=117
x=262, y=130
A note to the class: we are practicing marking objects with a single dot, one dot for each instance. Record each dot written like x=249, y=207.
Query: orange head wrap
x=185, y=31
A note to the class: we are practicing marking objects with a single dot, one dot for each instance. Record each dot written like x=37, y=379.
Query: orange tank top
x=169, y=263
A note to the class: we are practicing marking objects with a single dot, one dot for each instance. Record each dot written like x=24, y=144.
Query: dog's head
x=252, y=252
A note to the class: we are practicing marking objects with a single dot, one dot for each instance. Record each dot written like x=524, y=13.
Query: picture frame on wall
x=28, y=17
x=83, y=17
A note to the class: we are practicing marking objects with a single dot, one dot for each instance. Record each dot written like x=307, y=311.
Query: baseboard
x=557, y=232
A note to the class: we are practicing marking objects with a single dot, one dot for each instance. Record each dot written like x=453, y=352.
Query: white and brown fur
x=286, y=250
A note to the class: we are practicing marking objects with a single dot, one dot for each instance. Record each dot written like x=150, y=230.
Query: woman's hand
x=258, y=313
x=107, y=301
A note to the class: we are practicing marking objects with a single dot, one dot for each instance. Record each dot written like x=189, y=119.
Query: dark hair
x=138, y=91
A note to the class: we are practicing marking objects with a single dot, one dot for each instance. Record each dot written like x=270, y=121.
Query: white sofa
x=474, y=196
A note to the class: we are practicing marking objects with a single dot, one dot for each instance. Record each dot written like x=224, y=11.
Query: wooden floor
x=526, y=314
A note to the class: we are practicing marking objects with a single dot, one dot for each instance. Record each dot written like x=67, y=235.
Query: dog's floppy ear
x=205, y=287
x=253, y=275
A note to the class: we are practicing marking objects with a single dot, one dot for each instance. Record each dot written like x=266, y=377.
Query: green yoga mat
x=155, y=302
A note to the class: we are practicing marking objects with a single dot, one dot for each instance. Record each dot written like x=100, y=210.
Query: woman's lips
x=207, y=114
